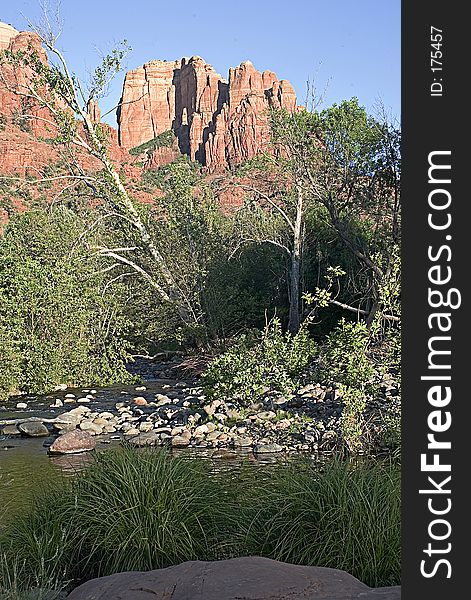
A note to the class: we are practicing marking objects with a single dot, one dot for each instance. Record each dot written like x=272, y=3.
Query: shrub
x=164, y=139
x=345, y=361
x=344, y=356
x=272, y=358
x=57, y=323
x=391, y=418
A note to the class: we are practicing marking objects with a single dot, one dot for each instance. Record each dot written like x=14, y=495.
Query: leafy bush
x=58, y=324
x=344, y=356
x=272, y=358
x=392, y=424
x=345, y=361
x=163, y=140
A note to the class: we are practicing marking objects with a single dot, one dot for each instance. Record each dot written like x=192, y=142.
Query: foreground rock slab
x=249, y=578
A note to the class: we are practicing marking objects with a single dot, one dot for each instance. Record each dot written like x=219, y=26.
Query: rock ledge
x=248, y=578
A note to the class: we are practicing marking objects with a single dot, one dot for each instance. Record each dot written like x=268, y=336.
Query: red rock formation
x=94, y=111
x=15, y=107
x=217, y=123
x=242, y=129
x=147, y=105
x=7, y=32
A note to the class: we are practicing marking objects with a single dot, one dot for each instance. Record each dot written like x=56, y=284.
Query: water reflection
x=70, y=464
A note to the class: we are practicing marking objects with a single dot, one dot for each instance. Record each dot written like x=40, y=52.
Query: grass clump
x=344, y=516
x=142, y=509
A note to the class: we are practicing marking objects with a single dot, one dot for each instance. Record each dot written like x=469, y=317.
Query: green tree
x=348, y=163
x=68, y=108
x=59, y=322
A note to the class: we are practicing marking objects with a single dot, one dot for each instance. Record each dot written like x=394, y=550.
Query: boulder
x=33, y=429
x=10, y=430
x=250, y=578
x=73, y=442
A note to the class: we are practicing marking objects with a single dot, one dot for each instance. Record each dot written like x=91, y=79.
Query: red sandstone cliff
x=217, y=123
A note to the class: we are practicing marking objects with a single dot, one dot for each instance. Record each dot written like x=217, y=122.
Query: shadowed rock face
x=217, y=123
x=249, y=578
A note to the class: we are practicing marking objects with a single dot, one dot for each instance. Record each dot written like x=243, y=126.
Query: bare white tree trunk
x=295, y=272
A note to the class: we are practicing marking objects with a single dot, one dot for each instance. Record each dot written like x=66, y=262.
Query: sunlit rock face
x=218, y=123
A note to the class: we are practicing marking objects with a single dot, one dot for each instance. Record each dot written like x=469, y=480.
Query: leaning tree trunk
x=295, y=272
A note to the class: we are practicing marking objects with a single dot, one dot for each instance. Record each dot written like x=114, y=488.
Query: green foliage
x=57, y=324
x=271, y=358
x=10, y=353
x=163, y=140
x=145, y=509
x=344, y=357
x=345, y=361
x=352, y=421
x=392, y=424
x=111, y=64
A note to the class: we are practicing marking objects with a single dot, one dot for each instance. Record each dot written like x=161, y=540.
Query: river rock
x=212, y=436
x=73, y=442
x=210, y=409
x=201, y=429
x=266, y=415
x=146, y=426
x=69, y=420
x=148, y=438
x=180, y=441
x=243, y=442
x=92, y=427
x=131, y=432
x=250, y=578
x=139, y=401
x=267, y=448
x=33, y=429
x=10, y=430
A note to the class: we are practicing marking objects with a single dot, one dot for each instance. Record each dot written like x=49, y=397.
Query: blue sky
x=345, y=47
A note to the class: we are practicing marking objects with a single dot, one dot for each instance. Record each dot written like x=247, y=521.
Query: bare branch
x=271, y=202
x=163, y=294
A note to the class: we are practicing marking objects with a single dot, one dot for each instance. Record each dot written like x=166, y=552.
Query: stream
x=26, y=466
